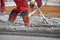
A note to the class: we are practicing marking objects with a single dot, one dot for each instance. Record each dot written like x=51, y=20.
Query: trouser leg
x=39, y=3
x=2, y=5
x=13, y=16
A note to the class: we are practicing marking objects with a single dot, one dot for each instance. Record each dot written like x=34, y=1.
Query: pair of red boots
x=14, y=14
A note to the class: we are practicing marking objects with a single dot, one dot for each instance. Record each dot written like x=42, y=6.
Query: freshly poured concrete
x=37, y=26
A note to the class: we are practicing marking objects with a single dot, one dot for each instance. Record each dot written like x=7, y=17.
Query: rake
x=39, y=9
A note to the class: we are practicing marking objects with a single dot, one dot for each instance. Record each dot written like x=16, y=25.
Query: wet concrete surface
x=37, y=26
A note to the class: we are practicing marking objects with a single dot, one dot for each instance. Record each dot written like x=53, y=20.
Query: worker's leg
x=13, y=16
x=2, y=5
x=39, y=3
x=25, y=18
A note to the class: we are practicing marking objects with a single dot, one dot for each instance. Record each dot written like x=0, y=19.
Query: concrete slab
x=18, y=27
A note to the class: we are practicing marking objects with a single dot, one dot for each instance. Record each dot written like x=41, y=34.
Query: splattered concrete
x=37, y=25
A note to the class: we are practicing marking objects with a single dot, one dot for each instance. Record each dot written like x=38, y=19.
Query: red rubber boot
x=13, y=16
x=26, y=20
